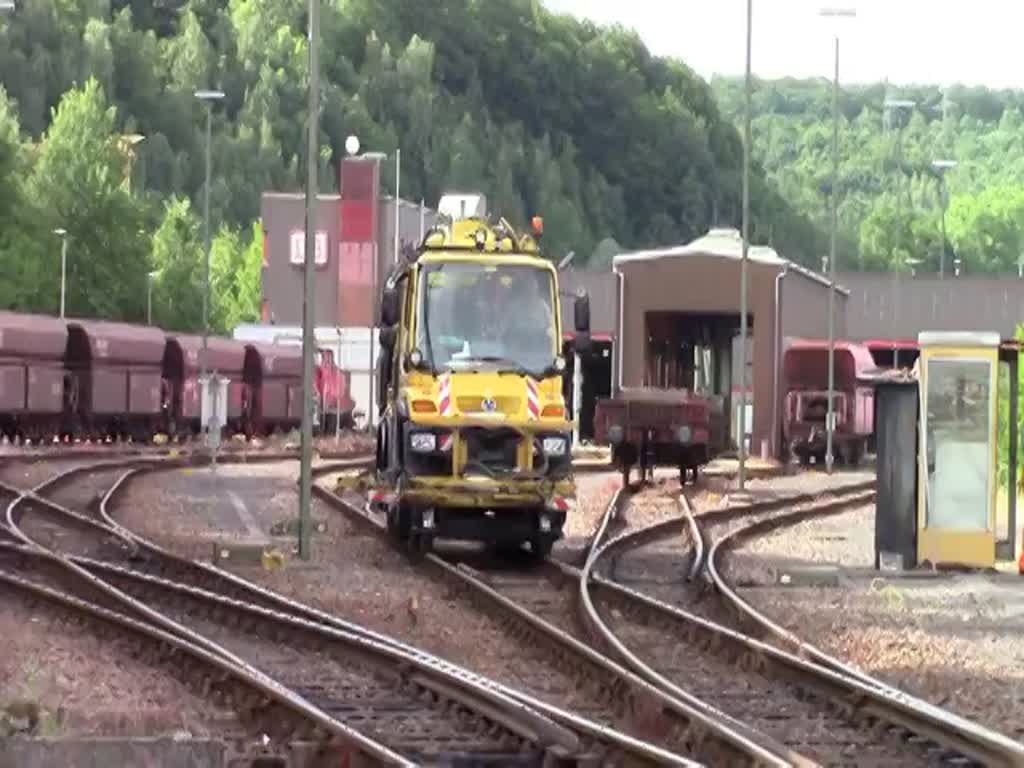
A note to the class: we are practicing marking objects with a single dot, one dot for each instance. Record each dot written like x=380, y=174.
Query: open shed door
x=957, y=460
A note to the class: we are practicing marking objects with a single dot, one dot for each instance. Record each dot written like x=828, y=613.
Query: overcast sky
x=975, y=42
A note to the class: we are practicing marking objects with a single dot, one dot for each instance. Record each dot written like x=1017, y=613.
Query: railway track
x=822, y=710
x=411, y=705
x=537, y=608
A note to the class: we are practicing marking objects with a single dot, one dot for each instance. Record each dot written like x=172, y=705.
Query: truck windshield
x=473, y=316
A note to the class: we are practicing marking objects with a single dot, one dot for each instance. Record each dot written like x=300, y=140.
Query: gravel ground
x=356, y=574
x=954, y=640
x=85, y=686
x=955, y=643
x=593, y=493
x=846, y=539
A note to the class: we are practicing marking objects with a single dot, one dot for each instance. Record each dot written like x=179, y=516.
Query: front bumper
x=487, y=493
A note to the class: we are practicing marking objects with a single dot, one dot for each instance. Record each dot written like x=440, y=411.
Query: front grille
x=491, y=450
x=428, y=464
x=507, y=405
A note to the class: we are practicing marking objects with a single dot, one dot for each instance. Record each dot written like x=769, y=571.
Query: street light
x=747, y=88
x=942, y=166
x=63, y=235
x=833, y=13
x=208, y=97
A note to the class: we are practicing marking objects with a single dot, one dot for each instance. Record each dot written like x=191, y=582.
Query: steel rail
x=879, y=699
x=261, y=689
x=284, y=696
x=426, y=671
x=593, y=730
x=701, y=723
x=471, y=690
x=760, y=746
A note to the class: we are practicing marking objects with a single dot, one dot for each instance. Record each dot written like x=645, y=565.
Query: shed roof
x=723, y=244
x=37, y=336
x=279, y=359
x=123, y=343
x=225, y=356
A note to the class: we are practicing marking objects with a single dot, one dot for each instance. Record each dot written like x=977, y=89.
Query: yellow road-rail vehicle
x=474, y=442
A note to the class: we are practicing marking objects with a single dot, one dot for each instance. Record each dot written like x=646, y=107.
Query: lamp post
x=747, y=89
x=63, y=235
x=352, y=148
x=208, y=97
x=833, y=13
x=941, y=166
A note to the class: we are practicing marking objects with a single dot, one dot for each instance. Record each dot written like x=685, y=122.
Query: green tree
x=79, y=184
x=235, y=267
x=178, y=257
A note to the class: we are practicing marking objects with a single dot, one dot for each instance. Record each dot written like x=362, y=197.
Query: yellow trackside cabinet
x=957, y=456
x=473, y=441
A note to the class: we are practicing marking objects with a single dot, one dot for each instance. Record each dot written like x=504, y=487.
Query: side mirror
x=581, y=314
x=390, y=307
x=388, y=336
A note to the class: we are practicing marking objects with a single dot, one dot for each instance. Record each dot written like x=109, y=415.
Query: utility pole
x=308, y=262
x=398, y=199
x=830, y=417
x=208, y=97
x=748, y=87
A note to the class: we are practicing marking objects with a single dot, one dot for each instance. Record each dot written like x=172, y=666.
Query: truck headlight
x=554, y=446
x=684, y=434
x=423, y=442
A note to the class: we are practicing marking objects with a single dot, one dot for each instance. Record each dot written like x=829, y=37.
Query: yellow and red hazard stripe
x=532, y=399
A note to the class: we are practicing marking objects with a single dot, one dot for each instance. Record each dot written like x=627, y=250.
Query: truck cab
x=473, y=439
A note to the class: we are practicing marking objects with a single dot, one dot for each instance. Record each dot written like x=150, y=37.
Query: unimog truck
x=473, y=440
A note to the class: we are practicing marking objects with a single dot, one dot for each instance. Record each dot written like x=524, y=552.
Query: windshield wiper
x=513, y=366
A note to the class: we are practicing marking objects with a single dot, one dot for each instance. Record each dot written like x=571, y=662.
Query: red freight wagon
x=115, y=375
x=181, y=371
x=274, y=375
x=805, y=372
x=31, y=375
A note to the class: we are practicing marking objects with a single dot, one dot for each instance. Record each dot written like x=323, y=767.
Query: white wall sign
x=297, y=251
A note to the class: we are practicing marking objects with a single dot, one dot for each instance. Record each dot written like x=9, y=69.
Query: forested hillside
x=982, y=130
x=544, y=113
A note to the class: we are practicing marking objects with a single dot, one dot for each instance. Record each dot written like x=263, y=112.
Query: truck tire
x=540, y=547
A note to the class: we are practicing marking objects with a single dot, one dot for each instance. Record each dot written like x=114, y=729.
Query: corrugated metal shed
x=37, y=336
